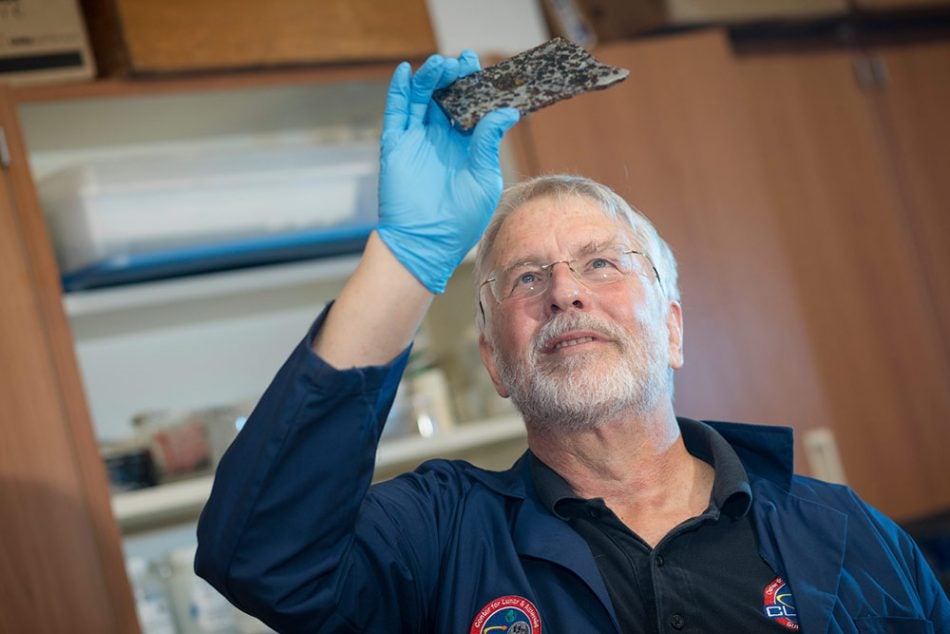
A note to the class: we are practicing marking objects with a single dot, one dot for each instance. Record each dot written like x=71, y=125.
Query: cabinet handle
x=882, y=77
x=4, y=150
x=871, y=73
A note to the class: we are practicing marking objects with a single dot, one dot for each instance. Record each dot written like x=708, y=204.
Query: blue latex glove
x=438, y=186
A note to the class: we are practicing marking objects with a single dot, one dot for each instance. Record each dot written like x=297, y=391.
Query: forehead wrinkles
x=573, y=225
x=591, y=247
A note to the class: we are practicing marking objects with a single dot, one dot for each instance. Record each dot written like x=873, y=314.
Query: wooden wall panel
x=868, y=310
x=674, y=140
x=61, y=566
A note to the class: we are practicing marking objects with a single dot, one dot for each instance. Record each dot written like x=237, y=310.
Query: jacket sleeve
x=933, y=599
x=900, y=559
x=288, y=533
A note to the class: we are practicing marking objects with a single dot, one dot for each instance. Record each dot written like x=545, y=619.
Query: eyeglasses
x=598, y=268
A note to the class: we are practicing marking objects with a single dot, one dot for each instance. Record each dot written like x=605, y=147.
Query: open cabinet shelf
x=182, y=501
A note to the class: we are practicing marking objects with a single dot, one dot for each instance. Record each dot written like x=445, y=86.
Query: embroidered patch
x=507, y=615
x=779, y=605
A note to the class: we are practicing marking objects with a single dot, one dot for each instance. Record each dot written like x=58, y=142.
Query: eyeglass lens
x=529, y=279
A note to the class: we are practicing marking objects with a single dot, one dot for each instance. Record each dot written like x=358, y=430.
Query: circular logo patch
x=507, y=615
x=779, y=605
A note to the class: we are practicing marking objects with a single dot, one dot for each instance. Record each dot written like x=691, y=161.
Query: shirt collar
x=550, y=486
x=731, y=493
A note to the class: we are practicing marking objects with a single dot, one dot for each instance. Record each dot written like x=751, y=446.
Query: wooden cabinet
x=808, y=214
x=61, y=557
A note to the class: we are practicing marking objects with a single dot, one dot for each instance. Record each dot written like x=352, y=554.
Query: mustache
x=566, y=322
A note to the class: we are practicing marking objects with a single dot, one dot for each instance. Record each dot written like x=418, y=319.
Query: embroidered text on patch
x=507, y=615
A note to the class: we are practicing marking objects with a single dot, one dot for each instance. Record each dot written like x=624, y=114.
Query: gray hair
x=613, y=206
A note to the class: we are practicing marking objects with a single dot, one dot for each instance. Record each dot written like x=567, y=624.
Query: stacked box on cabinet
x=43, y=41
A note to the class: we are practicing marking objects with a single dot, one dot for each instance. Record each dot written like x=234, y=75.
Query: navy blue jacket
x=294, y=534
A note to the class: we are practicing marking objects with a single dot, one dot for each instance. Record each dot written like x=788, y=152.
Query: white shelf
x=182, y=501
x=203, y=287
x=463, y=437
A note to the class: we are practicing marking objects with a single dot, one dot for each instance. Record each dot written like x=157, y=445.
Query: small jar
x=151, y=601
x=431, y=402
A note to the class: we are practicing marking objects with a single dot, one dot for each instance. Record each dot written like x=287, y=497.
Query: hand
x=438, y=186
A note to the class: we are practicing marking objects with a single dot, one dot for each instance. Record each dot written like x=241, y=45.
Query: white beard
x=586, y=391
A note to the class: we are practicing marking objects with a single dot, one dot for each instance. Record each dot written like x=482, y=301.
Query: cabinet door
x=61, y=565
x=863, y=248
x=673, y=141
x=914, y=100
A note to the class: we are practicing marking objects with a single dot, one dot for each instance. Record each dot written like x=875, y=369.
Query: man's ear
x=485, y=350
x=674, y=324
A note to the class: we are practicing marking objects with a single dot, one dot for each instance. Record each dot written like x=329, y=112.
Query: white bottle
x=432, y=402
x=151, y=602
x=198, y=607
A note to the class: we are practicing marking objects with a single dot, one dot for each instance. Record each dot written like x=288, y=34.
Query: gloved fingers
x=468, y=62
x=450, y=72
x=423, y=84
x=486, y=138
x=437, y=118
x=396, y=114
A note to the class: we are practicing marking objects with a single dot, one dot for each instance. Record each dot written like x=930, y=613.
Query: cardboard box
x=149, y=36
x=43, y=41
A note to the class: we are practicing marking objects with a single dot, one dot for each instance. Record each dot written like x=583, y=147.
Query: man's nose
x=565, y=290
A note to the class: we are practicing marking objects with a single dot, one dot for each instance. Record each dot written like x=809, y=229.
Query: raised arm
x=289, y=533
x=438, y=187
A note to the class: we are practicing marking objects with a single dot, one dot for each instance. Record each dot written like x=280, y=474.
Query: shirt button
x=659, y=561
x=677, y=621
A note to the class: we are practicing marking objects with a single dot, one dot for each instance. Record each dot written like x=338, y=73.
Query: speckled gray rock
x=529, y=81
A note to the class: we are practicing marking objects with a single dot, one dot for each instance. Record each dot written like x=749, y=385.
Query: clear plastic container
x=142, y=204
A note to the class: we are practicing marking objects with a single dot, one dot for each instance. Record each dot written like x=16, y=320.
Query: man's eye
x=600, y=263
x=526, y=279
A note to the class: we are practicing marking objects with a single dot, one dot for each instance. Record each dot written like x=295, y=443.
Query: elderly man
x=621, y=517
